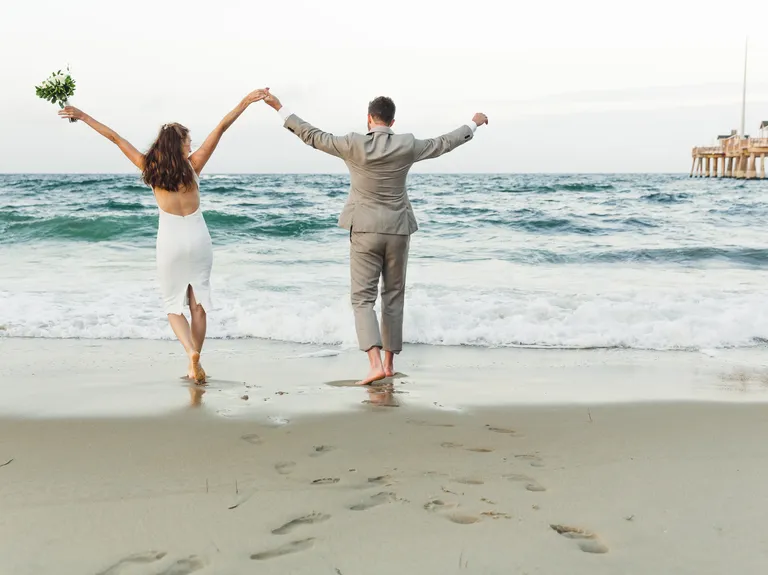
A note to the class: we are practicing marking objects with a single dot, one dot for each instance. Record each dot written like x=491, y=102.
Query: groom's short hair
x=382, y=109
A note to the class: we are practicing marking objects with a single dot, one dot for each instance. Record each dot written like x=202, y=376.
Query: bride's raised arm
x=136, y=157
x=201, y=156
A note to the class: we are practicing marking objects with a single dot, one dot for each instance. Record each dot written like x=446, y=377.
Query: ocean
x=556, y=261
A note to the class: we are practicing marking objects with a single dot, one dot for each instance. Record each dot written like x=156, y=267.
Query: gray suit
x=379, y=216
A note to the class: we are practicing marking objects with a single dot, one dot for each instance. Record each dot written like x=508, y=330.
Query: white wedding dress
x=184, y=258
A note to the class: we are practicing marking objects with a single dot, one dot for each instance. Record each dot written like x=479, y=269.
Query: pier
x=734, y=156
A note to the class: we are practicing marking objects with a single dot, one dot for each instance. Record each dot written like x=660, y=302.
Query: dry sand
x=654, y=489
x=592, y=488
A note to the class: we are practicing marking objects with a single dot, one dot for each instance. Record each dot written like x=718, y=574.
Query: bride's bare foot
x=196, y=371
x=376, y=374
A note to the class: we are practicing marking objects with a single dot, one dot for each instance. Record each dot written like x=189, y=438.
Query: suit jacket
x=378, y=164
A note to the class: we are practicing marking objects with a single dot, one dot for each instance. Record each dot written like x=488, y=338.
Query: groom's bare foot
x=389, y=364
x=376, y=374
x=196, y=371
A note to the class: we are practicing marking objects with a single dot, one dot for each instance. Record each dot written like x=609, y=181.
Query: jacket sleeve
x=338, y=146
x=436, y=147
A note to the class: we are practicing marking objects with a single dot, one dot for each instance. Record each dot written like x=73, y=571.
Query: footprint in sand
x=380, y=480
x=326, y=481
x=252, y=438
x=496, y=515
x=450, y=445
x=445, y=508
x=310, y=519
x=480, y=449
x=285, y=467
x=319, y=450
x=501, y=430
x=421, y=422
x=462, y=519
x=374, y=501
x=468, y=481
x=530, y=483
x=185, y=566
x=587, y=541
x=439, y=505
x=135, y=559
x=287, y=549
x=533, y=459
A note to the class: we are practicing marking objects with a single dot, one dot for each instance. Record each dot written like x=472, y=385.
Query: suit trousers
x=373, y=256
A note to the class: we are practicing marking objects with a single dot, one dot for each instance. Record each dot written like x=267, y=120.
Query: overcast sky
x=588, y=86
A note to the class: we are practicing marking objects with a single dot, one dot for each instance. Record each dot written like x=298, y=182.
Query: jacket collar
x=382, y=129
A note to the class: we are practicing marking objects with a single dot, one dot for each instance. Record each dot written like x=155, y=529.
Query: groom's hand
x=480, y=119
x=271, y=100
x=255, y=96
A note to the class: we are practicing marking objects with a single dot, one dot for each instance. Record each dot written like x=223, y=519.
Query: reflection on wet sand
x=196, y=395
x=382, y=395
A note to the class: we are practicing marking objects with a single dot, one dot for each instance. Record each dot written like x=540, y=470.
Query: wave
x=638, y=319
x=586, y=187
x=88, y=229
x=122, y=206
x=667, y=198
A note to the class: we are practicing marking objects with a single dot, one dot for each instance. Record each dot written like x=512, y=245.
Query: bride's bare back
x=182, y=203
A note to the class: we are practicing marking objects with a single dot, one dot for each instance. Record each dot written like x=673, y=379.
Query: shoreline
x=272, y=380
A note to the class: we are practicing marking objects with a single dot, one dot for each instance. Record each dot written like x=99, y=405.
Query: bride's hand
x=72, y=112
x=256, y=96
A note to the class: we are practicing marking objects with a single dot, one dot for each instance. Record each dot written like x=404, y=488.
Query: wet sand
x=425, y=476
x=82, y=378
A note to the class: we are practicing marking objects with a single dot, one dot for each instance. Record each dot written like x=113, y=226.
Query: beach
x=123, y=468
x=582, y=390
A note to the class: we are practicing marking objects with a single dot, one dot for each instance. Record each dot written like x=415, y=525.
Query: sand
x=394, y=485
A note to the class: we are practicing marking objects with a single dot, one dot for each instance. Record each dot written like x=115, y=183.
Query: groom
x=379, y=217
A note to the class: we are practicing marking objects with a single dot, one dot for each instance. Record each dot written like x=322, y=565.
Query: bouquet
x=57, y=89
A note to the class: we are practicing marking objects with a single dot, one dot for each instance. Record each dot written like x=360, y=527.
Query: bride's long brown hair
x=165, y=166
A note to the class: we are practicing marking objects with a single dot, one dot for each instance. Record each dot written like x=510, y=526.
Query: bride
x=184, y=255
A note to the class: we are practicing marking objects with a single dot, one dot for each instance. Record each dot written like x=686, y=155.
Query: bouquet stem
x=64, y=105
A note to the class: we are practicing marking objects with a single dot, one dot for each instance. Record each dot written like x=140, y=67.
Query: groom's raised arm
x=334, y=145
x=435, y=147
